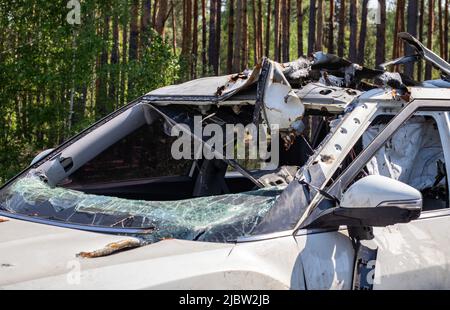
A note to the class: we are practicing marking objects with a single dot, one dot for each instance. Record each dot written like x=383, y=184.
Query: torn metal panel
x=351, y=73
x=400, y=61
x=335, y=147
x=298, y=70
x=282, y=105
x=327, y=260
x=210, y=90
x=427, y=54
x=282, y=176
x=316, y=96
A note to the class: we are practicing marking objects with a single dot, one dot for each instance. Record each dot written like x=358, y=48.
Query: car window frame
x=366, y=155
x=442, y=105
x=442, y=126
x=188, y=172
x=399, y=118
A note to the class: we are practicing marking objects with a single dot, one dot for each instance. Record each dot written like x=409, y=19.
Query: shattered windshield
x=216, y=218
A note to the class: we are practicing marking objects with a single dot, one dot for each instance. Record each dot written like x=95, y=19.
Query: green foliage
x=44, y=60
x=157, y=67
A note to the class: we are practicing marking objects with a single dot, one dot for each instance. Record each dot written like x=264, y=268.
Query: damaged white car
x=368, y=209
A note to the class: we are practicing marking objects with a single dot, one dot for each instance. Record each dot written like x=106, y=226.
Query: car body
x=369, y=209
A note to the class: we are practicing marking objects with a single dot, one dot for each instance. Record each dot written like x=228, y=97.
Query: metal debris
x=112, y=248
x=328, y=159
x=6, y=265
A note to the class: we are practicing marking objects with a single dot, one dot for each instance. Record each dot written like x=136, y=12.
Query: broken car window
x=413, y=155
x=215, y=218
x=143, y=154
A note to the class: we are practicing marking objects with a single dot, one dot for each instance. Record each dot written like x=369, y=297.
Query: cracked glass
x=215, y=218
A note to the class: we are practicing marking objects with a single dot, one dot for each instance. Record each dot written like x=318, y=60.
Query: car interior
x=140, y=167
x=430, y=168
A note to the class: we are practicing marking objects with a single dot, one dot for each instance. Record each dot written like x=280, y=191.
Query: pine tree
x=342, y=23
x=412, y=21
x=312, y=27
x=353, y=44
x=362, y=33
x=299, y=28
x=380, y=47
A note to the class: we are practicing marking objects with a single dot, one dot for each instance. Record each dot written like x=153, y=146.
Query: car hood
x=45, y=257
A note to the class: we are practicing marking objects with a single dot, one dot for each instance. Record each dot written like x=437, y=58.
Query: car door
x=326, y=259
x=416, y=255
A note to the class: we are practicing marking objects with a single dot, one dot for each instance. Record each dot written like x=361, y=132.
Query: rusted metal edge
x=112, y=248
x=259, y=105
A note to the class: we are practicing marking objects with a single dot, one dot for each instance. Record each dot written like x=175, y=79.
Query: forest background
x=65, y=64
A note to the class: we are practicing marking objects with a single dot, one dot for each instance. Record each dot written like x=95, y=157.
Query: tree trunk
x=187, y=38
x=441, y=29
x=134, y=30
x=161, y=17
x=428, y=67
x=277, y=31
x=353, y=44
x=244, y=35
x=285, y=33
x=204, y=60
x=331, y=29
x=446, y=23
x=230, y=36
x=341, y=33
x=183, y=31
x=145, y=21
x=212, y=34
x=288, y=31
x=380, y=48
x=412, y=21
x=421, y=24
x=218, y=36
x=174, y=30
x=255, y=33
x=397, y=25
x=320, y=12
x=269, y=13
x=362, y=33
x=114, y=78
x=260, y=29
x=195, y=42
x=312, y=27
x=101, y=108
x=299, y=28
x=402, y=28
x=237, y=38
x=123, y=71
x=155, y=9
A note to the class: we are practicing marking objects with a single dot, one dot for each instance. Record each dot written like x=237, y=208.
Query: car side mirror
x=377, y=200
x=373, y=201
